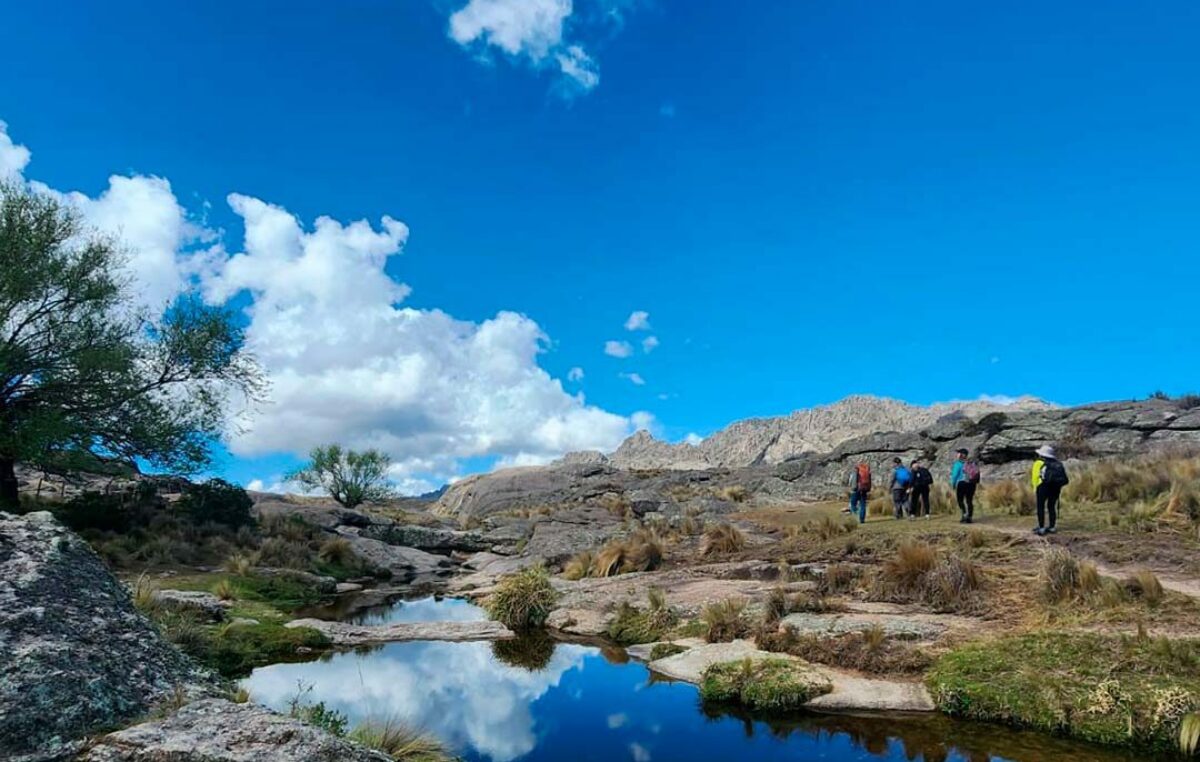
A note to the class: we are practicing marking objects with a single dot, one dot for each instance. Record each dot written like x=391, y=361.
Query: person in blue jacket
x=964, y=479
x=900, y=484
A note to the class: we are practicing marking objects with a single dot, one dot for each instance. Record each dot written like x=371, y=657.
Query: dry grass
x=916, y=574
x=579, y=566
x=1012, y=496
x=240, y=564
x=225, y=590
x=337, y=551
x=522, y=599
x=641, y=551
x=838, y=579
x=1145, y=585
x=399, y=741
x=725, y=620
x=722, y=539
x=734, y=493
x=869, y=651
x=1058, y=577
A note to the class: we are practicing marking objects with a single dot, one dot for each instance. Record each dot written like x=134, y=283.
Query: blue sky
x=810, y=199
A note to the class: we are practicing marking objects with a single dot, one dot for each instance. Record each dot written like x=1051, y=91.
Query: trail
x=1173, y=581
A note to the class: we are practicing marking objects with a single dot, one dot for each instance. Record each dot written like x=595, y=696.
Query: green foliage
x=1108, y=690
x=764, y=684
x=663, y=650
x=219, y=502
x=349, y=477
x=725, y=620
x=523, y=599
x=82, y=371
x=283, y=593
x=633, y=625
x=319, y=715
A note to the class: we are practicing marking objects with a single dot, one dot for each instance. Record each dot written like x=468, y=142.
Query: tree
x=83, y=372
x=349, y=477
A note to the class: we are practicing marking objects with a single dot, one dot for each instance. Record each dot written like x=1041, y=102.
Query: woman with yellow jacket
x=1049, y=476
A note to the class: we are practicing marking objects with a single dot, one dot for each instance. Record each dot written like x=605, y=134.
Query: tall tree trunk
x=10, y=498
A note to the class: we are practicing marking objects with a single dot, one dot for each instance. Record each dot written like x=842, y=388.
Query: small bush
x=632, y=625
x=725, y=621
x=663, y=650
x=319, y=715
x=838, y=578
x=337, y=550
x=283, y=553
x=869, y=651
x=1059, y=576
x=225, y=590
x=778, y=606
x=524, y=599
x=916, y=575
x=219, y=502
x=722, y=539
x=641, y=551
x=734, y=493
x=765, y=684
x=239, y=564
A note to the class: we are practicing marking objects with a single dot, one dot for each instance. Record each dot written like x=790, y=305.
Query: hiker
x=901, y=481
x=964, y=480
x=860, y=490
x=1049, y=477
x=922, y=480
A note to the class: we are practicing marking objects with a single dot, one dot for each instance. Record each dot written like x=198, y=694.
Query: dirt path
x=1173, y=581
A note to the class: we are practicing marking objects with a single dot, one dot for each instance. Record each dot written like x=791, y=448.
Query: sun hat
x=1046, y=451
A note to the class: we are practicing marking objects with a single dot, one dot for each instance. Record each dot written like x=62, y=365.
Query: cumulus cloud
x=575, y=374
x=649, y=344
x=639, y=320
x=618, y=348
x=13, y=157
x=693, y=439
x=633, y=378
x=529, y=29
x=347, y=361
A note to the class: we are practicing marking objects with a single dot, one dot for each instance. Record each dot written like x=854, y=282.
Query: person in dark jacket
x=922, y=480
x=1048, y=478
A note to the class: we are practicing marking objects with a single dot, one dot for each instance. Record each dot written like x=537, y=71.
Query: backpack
x=1055, y=474
x=864, y=477
x=971, y=471
x=903, y=477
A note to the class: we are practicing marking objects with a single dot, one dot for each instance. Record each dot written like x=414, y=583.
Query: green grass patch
x=1108, y=690
x=634, y=625
x=523, y=599
x=663, y=650
x=764, y=684
x=283, y=593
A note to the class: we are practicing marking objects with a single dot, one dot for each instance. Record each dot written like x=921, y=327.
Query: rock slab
x=215, y=730
x=75, y=655
x=351, y=635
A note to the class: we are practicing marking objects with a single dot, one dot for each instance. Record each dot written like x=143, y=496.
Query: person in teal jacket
x=964, y=479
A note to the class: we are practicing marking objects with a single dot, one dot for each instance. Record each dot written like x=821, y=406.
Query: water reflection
x=541, y=701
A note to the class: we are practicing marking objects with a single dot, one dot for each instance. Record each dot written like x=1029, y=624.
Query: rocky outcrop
x=75, y=655
x=215, y=730
x=206, y=605
x=404, y=564
x=349, y=635
x=429, y=539
x=758, y=441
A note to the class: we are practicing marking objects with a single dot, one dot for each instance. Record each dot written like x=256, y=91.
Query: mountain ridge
x=773, y=439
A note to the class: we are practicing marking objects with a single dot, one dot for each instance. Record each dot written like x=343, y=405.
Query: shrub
x=217, y=501
x=523, y=599
x=764, y=684
x=778, y=606
x=337, y=550
x=225, y=590
x=725, y=620
x=239, y=564
x=838, y=578
x=1189, y=734
x=632, y=625
x=399, y=741
x=722, y=539
x=319, y=715
x=285, y=554
x=868, y=651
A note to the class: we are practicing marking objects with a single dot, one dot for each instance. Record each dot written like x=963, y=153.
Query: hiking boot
x=1039, y=532
x=1051, y=530
x=968, y=520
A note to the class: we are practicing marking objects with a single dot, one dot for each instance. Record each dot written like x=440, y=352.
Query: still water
x=541, y=701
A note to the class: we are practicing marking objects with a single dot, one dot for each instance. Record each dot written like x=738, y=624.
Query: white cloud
x=575, y=374
x=530, y=29
x=347, y=362
x=644, y=421
x=693, y=438
x=13, y=158
x=639, y=753
x=638, y=320
x=618, y=348
x=649, y=344
x=633, y=378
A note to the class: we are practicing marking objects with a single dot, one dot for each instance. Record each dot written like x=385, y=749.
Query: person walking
x=900, y=484
x=922, y=480
x=860, y=490
x=964, y=480
x=1049, y=476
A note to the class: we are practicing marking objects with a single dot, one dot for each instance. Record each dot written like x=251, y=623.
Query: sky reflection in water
x=539, y=701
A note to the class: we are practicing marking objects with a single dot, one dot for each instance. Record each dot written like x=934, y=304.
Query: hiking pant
x=965, y=492
x=1047, y=500
x=858, y=504
x=900, y=501
x=919, y=495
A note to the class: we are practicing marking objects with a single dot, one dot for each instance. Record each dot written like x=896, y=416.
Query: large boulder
x=215, y=730
x=75, y=655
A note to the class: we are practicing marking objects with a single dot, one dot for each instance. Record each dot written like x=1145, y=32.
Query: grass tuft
x=722, y=539
x=725, y=620
x=399, y=741
x=763, y=684
x=523, y=599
